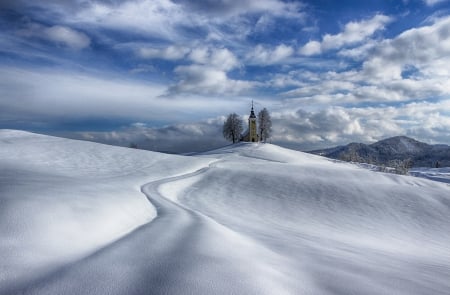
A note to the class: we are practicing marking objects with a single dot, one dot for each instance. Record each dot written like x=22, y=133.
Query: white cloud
x=409, y=67
x=234, y=8
x=264, y=56
x=168, y=53
x=158, y=18
x=218, y=58
x=311, y=48
x=353, y=33
x=433, y=2
x=359, y=53
x=425, y=48
x=207, y=80
x=325, y=87
x=67, y=36
x=222, y=59
x=338, y=125
x=167, y=19
x=208, y=74
x=59, y=35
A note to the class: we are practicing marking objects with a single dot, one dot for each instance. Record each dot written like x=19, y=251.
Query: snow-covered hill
x=391, y=149
x=244, y=219
x=62, y=199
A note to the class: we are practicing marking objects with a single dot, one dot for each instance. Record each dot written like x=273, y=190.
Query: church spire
x=252, y=112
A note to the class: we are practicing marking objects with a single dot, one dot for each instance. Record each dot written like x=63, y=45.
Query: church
x=251, y=135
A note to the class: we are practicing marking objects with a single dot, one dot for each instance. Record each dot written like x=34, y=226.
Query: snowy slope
x=343, y=229
x=244, y=219
x=62, y=199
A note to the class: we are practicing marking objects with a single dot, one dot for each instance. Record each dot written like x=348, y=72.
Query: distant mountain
x=398, y=148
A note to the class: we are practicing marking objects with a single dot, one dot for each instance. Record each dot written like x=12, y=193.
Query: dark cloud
x=180, y=138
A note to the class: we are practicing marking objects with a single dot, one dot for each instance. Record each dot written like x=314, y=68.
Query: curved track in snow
x=179, y=252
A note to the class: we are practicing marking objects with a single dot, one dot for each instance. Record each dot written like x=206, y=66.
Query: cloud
x=176, y=138
x=208, y=74
x=426, y=48
x=233, y=8
x=433, y=2
x=53, y=96
x=207, y=80
x=264, y=56
x=325, y=87
x=217, y=58
x=359, y=53
x=307, y=130
x=353, y=33
x=408, y=67
x=59, y=35
x=311, y=48
x=168, y=53
x=177, y=21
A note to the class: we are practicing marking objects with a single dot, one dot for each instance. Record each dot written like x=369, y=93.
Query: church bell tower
x=253, y=133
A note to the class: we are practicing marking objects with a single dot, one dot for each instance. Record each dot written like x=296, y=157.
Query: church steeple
x=252, y=112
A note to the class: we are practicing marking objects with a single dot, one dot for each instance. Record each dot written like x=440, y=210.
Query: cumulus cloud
x=207, y=80
x=311, y=48
x=268, y=56
x=218, y=58
x=359, y=53
x=60, y=35
x=307, y=130
x=353, y=33
x=408, y=67
x=208, y=74
x=426, y=48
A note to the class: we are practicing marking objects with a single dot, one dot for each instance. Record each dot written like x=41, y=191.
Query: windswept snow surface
x=245, y=219
x=62, y=199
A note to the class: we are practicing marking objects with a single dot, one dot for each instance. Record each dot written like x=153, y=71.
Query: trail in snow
x=179, y=252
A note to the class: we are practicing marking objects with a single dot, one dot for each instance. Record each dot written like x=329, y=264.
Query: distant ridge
x=391, y=149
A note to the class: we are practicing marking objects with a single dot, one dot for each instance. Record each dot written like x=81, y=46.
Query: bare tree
x=264, y=124
x=232, y=128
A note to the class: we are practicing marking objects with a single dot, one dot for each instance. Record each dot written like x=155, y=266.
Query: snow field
x=84, y=218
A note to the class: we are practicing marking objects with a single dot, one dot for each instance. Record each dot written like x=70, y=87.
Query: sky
x=165, y=74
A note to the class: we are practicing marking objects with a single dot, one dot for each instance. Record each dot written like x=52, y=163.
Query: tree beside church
x=264, y=125
x=232, y=128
